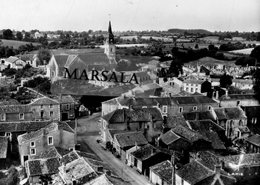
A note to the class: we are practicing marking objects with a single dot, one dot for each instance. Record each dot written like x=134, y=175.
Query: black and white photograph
x=129, y=92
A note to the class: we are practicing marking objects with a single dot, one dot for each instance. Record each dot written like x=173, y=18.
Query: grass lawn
x=15, y=43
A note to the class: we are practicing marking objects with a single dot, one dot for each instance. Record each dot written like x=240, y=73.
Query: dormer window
x=195, y=108
x=21, y=116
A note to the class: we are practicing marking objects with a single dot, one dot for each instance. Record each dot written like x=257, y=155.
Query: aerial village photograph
x=130, y=92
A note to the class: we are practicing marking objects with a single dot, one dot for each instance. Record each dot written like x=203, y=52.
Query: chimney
x=226, y=92
x=217, y=94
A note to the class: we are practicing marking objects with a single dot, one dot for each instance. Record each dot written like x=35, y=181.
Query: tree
x=175, y=68
x=256, y=53
x=225, y=81
x=256, y=86
x=44, y=56
x=8, y=34
x=19, y=35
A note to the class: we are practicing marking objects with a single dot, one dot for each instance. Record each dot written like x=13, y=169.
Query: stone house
x=45, y=108
x=55, y=134
x=233, y=100
x=234, y=121
x=124, y=141
x=15, y=113
x=148, y=120
x=3, y=152
x=68, y=106
x=192, y=86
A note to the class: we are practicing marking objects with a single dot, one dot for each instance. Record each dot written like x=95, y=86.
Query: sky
x=138, y=15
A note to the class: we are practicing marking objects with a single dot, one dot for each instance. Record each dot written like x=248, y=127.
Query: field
x=15, y=43
x=246, y=51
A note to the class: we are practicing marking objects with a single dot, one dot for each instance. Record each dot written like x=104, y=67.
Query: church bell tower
x=110, y=48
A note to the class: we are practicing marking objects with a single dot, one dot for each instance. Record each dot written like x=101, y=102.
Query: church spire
x=110, y=34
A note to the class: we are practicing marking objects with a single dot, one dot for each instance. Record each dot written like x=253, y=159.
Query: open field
x=246, y=51
x=16, y=43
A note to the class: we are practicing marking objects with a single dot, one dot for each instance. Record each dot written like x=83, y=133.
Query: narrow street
x=88, y=133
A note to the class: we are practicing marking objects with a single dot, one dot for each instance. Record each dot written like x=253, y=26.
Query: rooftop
x=44, y=101
x=230, y=113
x=145, y=152
x=163, y=170
x=169, y=137
x=129, y=139
x=199, y=115
x=254, y=139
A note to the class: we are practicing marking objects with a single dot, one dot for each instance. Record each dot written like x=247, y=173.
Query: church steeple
x=110, y=34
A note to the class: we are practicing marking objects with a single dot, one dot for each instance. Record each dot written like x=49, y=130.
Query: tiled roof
x=50, y=153
x=44, y=101
x=194, y=172
x=145, y=152
x=78, y=169
x=9, y=102
x=254, y=139
x=238, y=97
x=71, y=156
x=15, y=108
x=88, y=155
x=169, y=137
x=137, y=102
x=61, y=61
x=163, y=170
x=209, y=159
x=66, y=99
x=113, y=132
x=186, y=100
x=38, y=167
x=12, y=59
x=188, y=81
x=25, y=126
x=124, y=115
x=129, y=139
x=251, y=111
x=173, y=121
x=229, y=113
x=31, y=135
x=218, y=180
x=209, y=130
x=101, y=180
x=3, y=147
x=64, y=126
x=198, y=115
x=247, y=159
x=188, y=134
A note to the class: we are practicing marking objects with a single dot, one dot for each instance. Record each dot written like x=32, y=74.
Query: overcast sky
x=82, y=15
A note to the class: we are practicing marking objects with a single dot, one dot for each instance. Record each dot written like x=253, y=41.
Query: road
x=88, y=130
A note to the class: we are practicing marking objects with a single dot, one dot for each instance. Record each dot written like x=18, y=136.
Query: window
x=209, y=107
x=191, y=90
x=195, y=108
x=33, y=151
x=51, y=106
x=3, y=117
x=180, y=109
x=164, y=109
x=41, y=106
x=42, y=113
x=50, y=140
x=68, y=106
x=32, y=144
x=51, y=113
x=8, y=134
x=21, y=116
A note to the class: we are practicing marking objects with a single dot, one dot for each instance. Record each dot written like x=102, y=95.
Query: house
x=195, y=173
x=3, y=151
x=146, y=119
x=55, y=134
x=192, y=86
x=161, y=173
x=15, y=113
x=45, y=108
x=14, y=62
x=233, y=120
x=252, y=114
x=205, y=115
x=182, y=138
x=147, y=156
x=68, y=106
x=253, y=143
x=245, y=165
x=126, y=140
x=37, y=168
